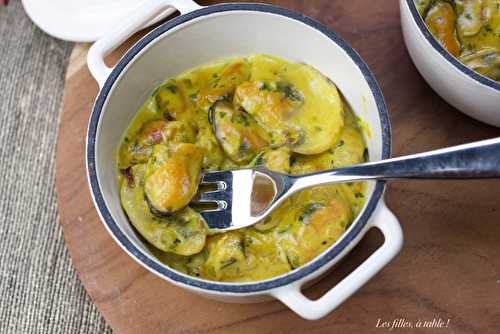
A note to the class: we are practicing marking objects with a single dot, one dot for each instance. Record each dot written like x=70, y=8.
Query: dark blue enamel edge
x=443, y=52
x=244, y=287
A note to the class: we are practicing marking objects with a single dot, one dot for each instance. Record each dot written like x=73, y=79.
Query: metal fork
x=238, y=191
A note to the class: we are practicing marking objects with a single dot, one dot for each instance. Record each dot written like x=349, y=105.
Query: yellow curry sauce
x=259, y=110
x=468, y=29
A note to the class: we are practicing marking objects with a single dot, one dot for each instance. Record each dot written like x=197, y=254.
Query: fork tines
x=212, y=204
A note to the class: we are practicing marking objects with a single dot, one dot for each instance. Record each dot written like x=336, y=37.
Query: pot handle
x=292, y=296
x=149, y=10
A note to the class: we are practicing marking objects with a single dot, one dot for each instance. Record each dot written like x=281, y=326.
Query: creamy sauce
x=242, y=112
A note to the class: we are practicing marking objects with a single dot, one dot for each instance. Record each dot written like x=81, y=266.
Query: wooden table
x=449, y=267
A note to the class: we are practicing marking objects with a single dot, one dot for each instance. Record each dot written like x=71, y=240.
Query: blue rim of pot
x=238, y=288
x=443, y=52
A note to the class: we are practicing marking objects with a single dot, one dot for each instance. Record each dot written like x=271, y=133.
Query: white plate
x=82, y=21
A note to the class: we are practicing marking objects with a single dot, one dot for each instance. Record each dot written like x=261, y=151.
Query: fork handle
x=469, y=161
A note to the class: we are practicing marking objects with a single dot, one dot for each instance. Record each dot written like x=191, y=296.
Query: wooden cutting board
x=449, y=267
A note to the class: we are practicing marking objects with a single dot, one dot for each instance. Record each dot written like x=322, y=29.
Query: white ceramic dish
x=463, y=88
x=83, y=21
x=202, y=35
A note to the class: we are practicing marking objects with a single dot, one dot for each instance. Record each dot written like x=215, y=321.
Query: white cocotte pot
x=204, y=34
x=463, y=88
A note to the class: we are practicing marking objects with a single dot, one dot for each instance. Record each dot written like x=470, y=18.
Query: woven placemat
x=39, y=289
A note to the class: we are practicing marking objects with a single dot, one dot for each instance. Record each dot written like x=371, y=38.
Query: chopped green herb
x=211, y=271
x=296, y=139
x=244, y=147
x=241, y=118
x=308, y=210
x=258, y=160
x=155, y=91
x=293, y=261
x=172, y=88
x=227, y=263
x=289, y=91
x=284, y=229
x=266, y=86
x=243, y=247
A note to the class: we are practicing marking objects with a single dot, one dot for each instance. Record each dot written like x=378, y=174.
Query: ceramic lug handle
x=147, y=12
x=291, y=295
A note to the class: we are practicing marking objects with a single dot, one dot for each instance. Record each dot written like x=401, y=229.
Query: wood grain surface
x=449, y=267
